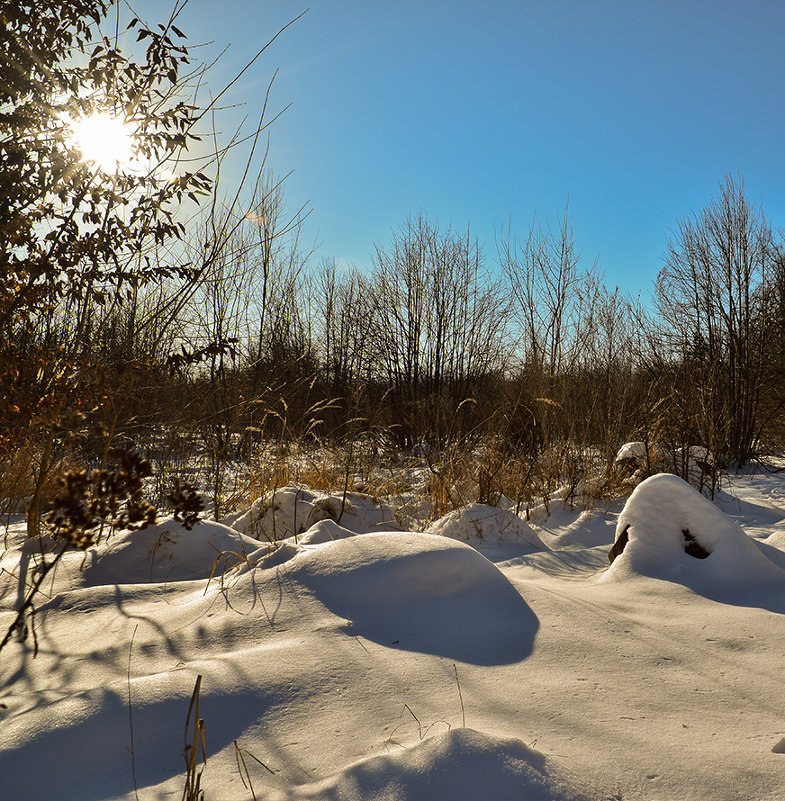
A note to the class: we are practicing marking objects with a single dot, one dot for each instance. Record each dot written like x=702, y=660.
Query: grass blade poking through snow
x=242, y=766
x=131, y=716
x=193, y=779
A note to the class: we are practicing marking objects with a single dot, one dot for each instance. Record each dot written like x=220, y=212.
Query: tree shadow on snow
x=487, y=636
x=88, y=737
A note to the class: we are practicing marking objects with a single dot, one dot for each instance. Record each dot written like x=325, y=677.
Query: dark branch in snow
x=619, y=545
x=692, y=546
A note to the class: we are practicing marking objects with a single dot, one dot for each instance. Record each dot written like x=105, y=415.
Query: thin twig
x=131, y=716
x=460, y=695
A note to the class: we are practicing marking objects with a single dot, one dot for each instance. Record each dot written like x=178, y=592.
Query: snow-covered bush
x=292, y=510
x=636, y=461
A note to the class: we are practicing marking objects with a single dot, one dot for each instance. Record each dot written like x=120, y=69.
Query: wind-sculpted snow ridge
x=292, y=510
x=419, y=593
x=461, y=765
x=668, y=530
x=479, y=522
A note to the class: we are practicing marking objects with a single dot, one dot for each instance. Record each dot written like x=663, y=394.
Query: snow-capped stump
x=419, y=593
x=668, y=530
x=166, y=552
x=478, y=522
x=637, y=460
x=292, y=510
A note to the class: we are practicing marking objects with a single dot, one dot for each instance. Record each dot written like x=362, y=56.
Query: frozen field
x=484, y=659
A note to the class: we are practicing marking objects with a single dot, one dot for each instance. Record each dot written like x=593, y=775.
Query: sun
x=104, y=140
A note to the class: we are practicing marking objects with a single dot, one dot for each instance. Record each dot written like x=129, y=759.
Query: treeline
x=435, y=345
x=436, y=341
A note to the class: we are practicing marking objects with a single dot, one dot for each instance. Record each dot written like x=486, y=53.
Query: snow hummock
x=291, y=510
x=663, y=517
x=480, y=522
x=460, y=764
x=639, y=460
x=420, y=593
x=641, y=454
x=166, y=552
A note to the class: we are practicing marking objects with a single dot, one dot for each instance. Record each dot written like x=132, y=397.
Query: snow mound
x=419, y=593
x=462, y=765
x=776, y=540
x=290, y=511
x=478, y=521
x=668, y=530
x=646, y=456
x=166, y=552
x=324, y=531
x=636, y=461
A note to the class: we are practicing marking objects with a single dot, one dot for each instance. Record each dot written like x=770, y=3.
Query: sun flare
x=105, y=140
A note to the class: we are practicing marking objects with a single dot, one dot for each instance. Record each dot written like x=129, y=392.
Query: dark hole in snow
x=692, y=546
x=619, y=545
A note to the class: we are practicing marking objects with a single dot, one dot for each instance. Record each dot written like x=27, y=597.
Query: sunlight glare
x=105, y=140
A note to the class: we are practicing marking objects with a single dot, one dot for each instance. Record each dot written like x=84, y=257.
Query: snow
x=166, y=552
x=484, y=658
x=479, y=522
x=461, y=763
x=291, y=510
x=639, y=459
x=664, y=516
x=420, y=593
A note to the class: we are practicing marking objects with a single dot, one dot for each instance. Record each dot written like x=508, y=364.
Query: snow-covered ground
x=485, y=658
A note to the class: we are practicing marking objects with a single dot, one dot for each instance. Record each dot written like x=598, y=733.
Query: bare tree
x=550, y=292
x=439, y=324
x=346, y=312
x=712, y=294
x=553, y=308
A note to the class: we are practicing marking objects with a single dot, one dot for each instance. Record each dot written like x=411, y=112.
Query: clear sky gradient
x=488, y=111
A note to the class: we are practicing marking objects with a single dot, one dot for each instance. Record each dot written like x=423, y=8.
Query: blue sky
x=485, y=112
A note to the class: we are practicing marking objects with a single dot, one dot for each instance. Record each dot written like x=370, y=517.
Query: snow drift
x=419, y=593
x=462, y=765
x=668, y=530
x=483, y=523
x=345, y=667
x=166, y=552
